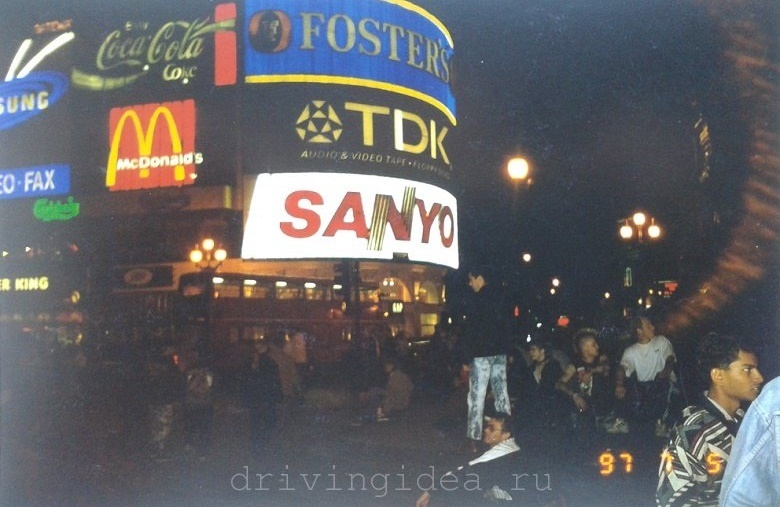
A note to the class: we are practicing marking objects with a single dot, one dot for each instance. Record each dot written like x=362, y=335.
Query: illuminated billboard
x=357, y=131
x=34, y=181
x=155, y=47
x=390, y=45
x=152, y=146
x=333, y=215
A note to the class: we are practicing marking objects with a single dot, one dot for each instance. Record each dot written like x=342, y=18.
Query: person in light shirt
x=644, y=376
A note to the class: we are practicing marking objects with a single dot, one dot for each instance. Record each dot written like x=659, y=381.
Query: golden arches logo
x=145, y=138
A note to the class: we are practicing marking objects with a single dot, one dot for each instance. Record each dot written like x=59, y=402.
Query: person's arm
x=423, y=500
x=620, y=381
x=668, y=367
x=603, y=367
x=563, y=385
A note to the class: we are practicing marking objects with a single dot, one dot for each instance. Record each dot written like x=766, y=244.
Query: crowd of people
x=581, y=392
x=518, y=393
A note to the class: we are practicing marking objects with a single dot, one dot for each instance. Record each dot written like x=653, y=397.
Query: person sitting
x=542, y=401
x=393, y=398
x=586, y=382
x=497, y=476
x=644, y=377
x=494, y=468
x=398, y=392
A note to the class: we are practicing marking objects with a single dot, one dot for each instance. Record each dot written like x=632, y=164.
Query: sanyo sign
x=333, y=215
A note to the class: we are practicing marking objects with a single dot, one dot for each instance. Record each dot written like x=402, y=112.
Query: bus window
x=256, y=289
x=227, y=288
x=286, y=290
x=317, y=292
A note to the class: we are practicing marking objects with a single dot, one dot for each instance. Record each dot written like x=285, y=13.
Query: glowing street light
x=518, y=168
x=207, y=256
x=637, y=225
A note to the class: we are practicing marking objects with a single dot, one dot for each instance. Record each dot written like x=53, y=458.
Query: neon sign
x=145, y=156
x=47, y=210
x=24, y=284
x=26, y=97
x=137, y=47
x=34, y=181
x=393, y=46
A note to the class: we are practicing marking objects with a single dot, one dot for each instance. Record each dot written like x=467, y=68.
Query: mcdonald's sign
x=152, y=146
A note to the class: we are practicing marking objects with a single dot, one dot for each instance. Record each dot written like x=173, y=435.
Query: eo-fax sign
x=333, y=215
x=152, y=146
x=34, y=181
x=390, y=45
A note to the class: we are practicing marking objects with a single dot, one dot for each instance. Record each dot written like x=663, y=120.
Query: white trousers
x=484, y=370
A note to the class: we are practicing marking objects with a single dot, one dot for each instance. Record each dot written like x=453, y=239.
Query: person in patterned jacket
x=696, y=456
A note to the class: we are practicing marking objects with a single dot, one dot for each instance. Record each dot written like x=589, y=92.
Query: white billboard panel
x=335, y=215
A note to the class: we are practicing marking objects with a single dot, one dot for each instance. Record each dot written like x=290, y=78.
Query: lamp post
x=637, y=226
x=207, y=256
x=636, y=231
x=518, y=170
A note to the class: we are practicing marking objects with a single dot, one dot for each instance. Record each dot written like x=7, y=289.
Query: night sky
x=602, y=97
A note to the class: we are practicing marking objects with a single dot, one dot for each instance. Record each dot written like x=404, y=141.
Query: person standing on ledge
x=484, y=354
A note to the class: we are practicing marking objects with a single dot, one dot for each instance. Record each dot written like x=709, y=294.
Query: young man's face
x=645, y=332
x=536, y=354
x=742, y=380
x=494, y=432
x=589, y=347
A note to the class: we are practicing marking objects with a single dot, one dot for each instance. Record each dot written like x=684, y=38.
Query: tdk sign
x=23, y=98
x=34, y=181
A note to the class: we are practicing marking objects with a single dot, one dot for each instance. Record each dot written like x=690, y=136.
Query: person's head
x=586, y=343
x=540, y=350
x=498, y=428
x=642, y=329
x=390, y=365
x=730, y=370
x=261, y=347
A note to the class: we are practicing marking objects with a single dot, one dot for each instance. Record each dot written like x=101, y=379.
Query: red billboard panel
x=152, y=146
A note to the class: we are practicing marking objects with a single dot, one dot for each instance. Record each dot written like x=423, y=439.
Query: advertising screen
x=315, y=128
x=332, y=215
x=394, y=46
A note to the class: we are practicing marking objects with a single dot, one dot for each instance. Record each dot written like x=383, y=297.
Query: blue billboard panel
x=389, y=45
x=34, y=181
x=23, y=98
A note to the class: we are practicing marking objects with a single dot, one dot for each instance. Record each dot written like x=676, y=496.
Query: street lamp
x=637, y=224
x=519, y=171
x=207, y=256
x=638, y=229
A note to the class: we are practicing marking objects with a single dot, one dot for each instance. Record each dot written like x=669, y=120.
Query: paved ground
x=318, y=457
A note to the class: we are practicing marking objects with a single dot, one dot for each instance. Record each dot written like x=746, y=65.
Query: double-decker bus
x=243, y=303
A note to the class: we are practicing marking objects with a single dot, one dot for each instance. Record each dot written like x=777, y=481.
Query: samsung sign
x=332, y=215
x=389, y=45
x=26, y=97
